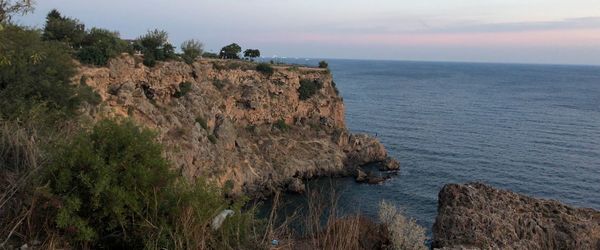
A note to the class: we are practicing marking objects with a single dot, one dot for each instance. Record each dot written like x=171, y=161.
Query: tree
x=192, y=49
x=35, y=75
x=231, y=51
x=155, y=46
x=99, y=45
x=64, y=29
x=323, y=64
x=8, y=8
x=252, y=53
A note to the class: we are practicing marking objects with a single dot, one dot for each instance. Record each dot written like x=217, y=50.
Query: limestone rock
x=223, y=128
x=475, y=215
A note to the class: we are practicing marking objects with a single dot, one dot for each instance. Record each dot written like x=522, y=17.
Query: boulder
x=475, y=215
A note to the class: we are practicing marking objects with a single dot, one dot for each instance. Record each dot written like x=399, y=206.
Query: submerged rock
x=475, y=215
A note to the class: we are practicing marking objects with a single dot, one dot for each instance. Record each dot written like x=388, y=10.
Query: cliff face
x=478, y=216
x=237, y=126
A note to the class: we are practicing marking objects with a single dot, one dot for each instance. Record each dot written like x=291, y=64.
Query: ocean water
x=532, y=129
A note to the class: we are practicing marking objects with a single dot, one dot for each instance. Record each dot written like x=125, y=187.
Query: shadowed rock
x=475, y=215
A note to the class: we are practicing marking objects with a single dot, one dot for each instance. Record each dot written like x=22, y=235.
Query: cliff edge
x=477, y=216
x=225, y=121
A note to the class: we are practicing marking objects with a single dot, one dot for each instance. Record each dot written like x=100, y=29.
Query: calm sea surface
x=529, y=128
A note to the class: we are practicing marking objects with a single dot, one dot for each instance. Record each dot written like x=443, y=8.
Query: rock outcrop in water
x=237, y=126
x=478, y=216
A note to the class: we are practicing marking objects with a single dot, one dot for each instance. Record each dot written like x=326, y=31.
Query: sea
x=531, y=129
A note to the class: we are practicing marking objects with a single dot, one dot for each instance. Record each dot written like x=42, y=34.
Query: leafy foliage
x=200, y=120
x=323, y=64
x=265, y=68
x=8, y=8
x=308, y=88
x=64, y=29
x=230, y=51
x=115, y=190
x=212, y=139
x=35, y=74
x=192, y=49
x=252, y=53
x=155, y=46
x=210, y=55
x=281, y=125
x=99, y=45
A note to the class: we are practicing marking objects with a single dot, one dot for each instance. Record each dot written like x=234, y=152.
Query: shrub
x=105, y=180
x=184, y=88
x=64, y=29
x=308, y=88
x=219, y=84
x=100, y=45
x=210, y=55
x=155, y=47
x=230, y=51
x=281, y=125
x=404, y=233
x=265, y=68
x=200, y=120
x=212, y=139
x=35, y=74
x=149, y=60
x=252, y=53
x=192, y=49
x=323, y=64
x=113, y=189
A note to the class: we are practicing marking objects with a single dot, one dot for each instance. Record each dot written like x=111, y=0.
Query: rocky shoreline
x=477, y=216
x=241, y=128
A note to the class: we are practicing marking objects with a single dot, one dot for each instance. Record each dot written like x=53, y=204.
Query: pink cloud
x=559, y=38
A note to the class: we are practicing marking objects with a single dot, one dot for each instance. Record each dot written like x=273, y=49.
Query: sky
x=521, y=31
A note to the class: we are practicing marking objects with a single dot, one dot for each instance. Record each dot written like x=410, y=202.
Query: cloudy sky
x=527, y=31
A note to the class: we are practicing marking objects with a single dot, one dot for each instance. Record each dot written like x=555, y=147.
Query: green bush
x=231, y=51
x=251, y=53
x=323, y=64
x=64, y=29
x=210, y=55
x=100, y=45
x=265, y=68
x=219, y=84
x=200, y=120
x=155, y=46
x=212, y=139
x=105, y=180
x=184, y=88
x=35, y=74
x=113, y=189
x=192, y=49
x=308, y=88
x=281, y=125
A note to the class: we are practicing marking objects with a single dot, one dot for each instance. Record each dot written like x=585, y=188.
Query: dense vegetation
x=265, y=68
x=231, y=51
x=323, y=65
x=251, y=53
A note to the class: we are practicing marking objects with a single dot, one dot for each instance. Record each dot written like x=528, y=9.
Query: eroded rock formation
x=236, y=125
x=475, y=216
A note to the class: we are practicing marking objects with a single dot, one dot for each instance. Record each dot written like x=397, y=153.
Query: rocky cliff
x=475, y=216
x=227, y=122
